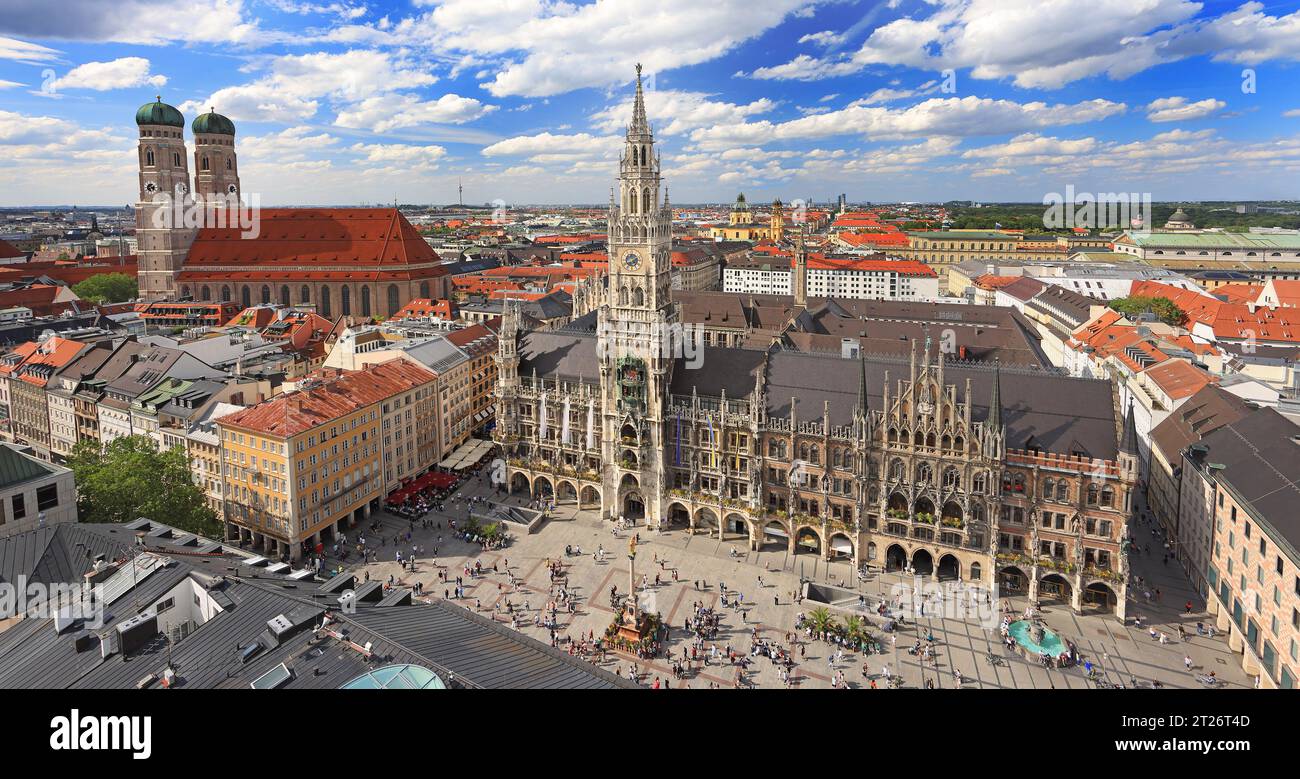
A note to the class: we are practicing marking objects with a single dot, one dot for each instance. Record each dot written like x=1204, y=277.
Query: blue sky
x=351, y=101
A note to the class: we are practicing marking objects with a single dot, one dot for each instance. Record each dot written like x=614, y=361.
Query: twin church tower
x=165, y=185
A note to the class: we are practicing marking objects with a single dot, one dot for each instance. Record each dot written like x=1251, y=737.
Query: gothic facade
x=951, y=470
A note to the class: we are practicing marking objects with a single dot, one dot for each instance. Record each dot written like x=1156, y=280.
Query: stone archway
x=895, y=558
x=519, y=483
x=841, y=546
x=775, y=537
x=566, y=491
x=1100, y=596
x=807, y=539
x=949, y=568
x=922, y=563
x=590, y=497
x=735, y=523
x=1012, y=579
x=706, y=519
x=542, y=488
x=1054, y=587
x=678, y=515
x=633, y=506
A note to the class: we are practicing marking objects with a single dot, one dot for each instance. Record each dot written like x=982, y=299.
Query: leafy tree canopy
x=1164, y=308
x=131, y=479
x=107, y=288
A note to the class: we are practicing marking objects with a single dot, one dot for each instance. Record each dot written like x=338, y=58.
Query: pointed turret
x=1128, y=442
x=995, y=400
x=640, y=125
x=862, y=379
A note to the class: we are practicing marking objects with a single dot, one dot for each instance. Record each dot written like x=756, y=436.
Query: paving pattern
x=1124, y=653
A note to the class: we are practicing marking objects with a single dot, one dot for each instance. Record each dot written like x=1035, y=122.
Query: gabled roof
x=1203, y=413
x=1260, y=459
x=346, y=239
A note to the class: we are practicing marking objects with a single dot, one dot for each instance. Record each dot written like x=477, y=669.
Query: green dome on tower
x=212, y=122
x=159, y=113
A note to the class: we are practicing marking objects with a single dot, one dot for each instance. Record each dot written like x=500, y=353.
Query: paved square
x=1123, y=652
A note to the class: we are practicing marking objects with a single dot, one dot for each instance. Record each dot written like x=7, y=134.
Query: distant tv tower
x=460, y=194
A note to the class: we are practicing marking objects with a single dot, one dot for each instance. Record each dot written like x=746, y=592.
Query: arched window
x=205, y=163
x=952, y=479
x=324, y=301
x=896, y=469
x=205, y=293
x=1107, y=497
x=638, y=297
x=424, y=289
x=228, y=166
x=345, y=300
x=1062, y=490
x=1093, y=492
x=622, y=296
x=646, y=202
x=304, y=294
x=148, y=157
x=225, y=293
x=284, y=294
x=975, y=572
x=245, y=296
x=632, y=203
x=185, y=291
x=365, y=300
x=815, y=455
x=266, y=295
x=176, y=159
x=394, y=299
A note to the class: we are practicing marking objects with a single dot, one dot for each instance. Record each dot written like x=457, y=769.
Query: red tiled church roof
x=356, y=241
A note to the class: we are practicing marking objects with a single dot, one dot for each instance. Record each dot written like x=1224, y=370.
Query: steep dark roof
x=1053, y=412
x=558, y=353
x=1260, y=455
x=461, y=647
x=16, y=467
x=1203, y=413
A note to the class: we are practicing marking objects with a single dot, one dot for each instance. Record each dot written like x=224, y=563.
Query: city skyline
x=521, y=102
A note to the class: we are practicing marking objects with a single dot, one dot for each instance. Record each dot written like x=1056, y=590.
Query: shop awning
x=842, y=544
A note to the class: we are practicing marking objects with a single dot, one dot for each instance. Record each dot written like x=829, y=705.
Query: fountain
x=1036, y=638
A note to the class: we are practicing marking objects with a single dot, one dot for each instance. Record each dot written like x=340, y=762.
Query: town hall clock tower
x=636, y=328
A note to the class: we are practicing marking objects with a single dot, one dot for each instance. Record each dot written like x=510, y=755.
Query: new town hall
x=956, y=471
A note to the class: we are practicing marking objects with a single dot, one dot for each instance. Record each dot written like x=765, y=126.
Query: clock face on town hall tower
x=631, y=261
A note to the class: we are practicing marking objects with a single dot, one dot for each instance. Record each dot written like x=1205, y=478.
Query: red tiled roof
x=1178, y=379
x=420, y=308
x=1227, y=320
x=353, y=240
x=296, y=412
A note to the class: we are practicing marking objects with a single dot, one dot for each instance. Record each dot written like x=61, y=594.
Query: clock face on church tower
x=631, y=261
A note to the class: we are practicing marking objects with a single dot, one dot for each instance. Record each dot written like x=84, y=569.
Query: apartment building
x=302, y=467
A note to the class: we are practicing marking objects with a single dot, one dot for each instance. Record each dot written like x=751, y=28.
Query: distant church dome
x=212, y=122
x=159, y=113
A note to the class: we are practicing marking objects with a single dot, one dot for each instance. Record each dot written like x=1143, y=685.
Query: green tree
x=1165, y=309
x=107, y=288
x=821, y=620
x=131, y=479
